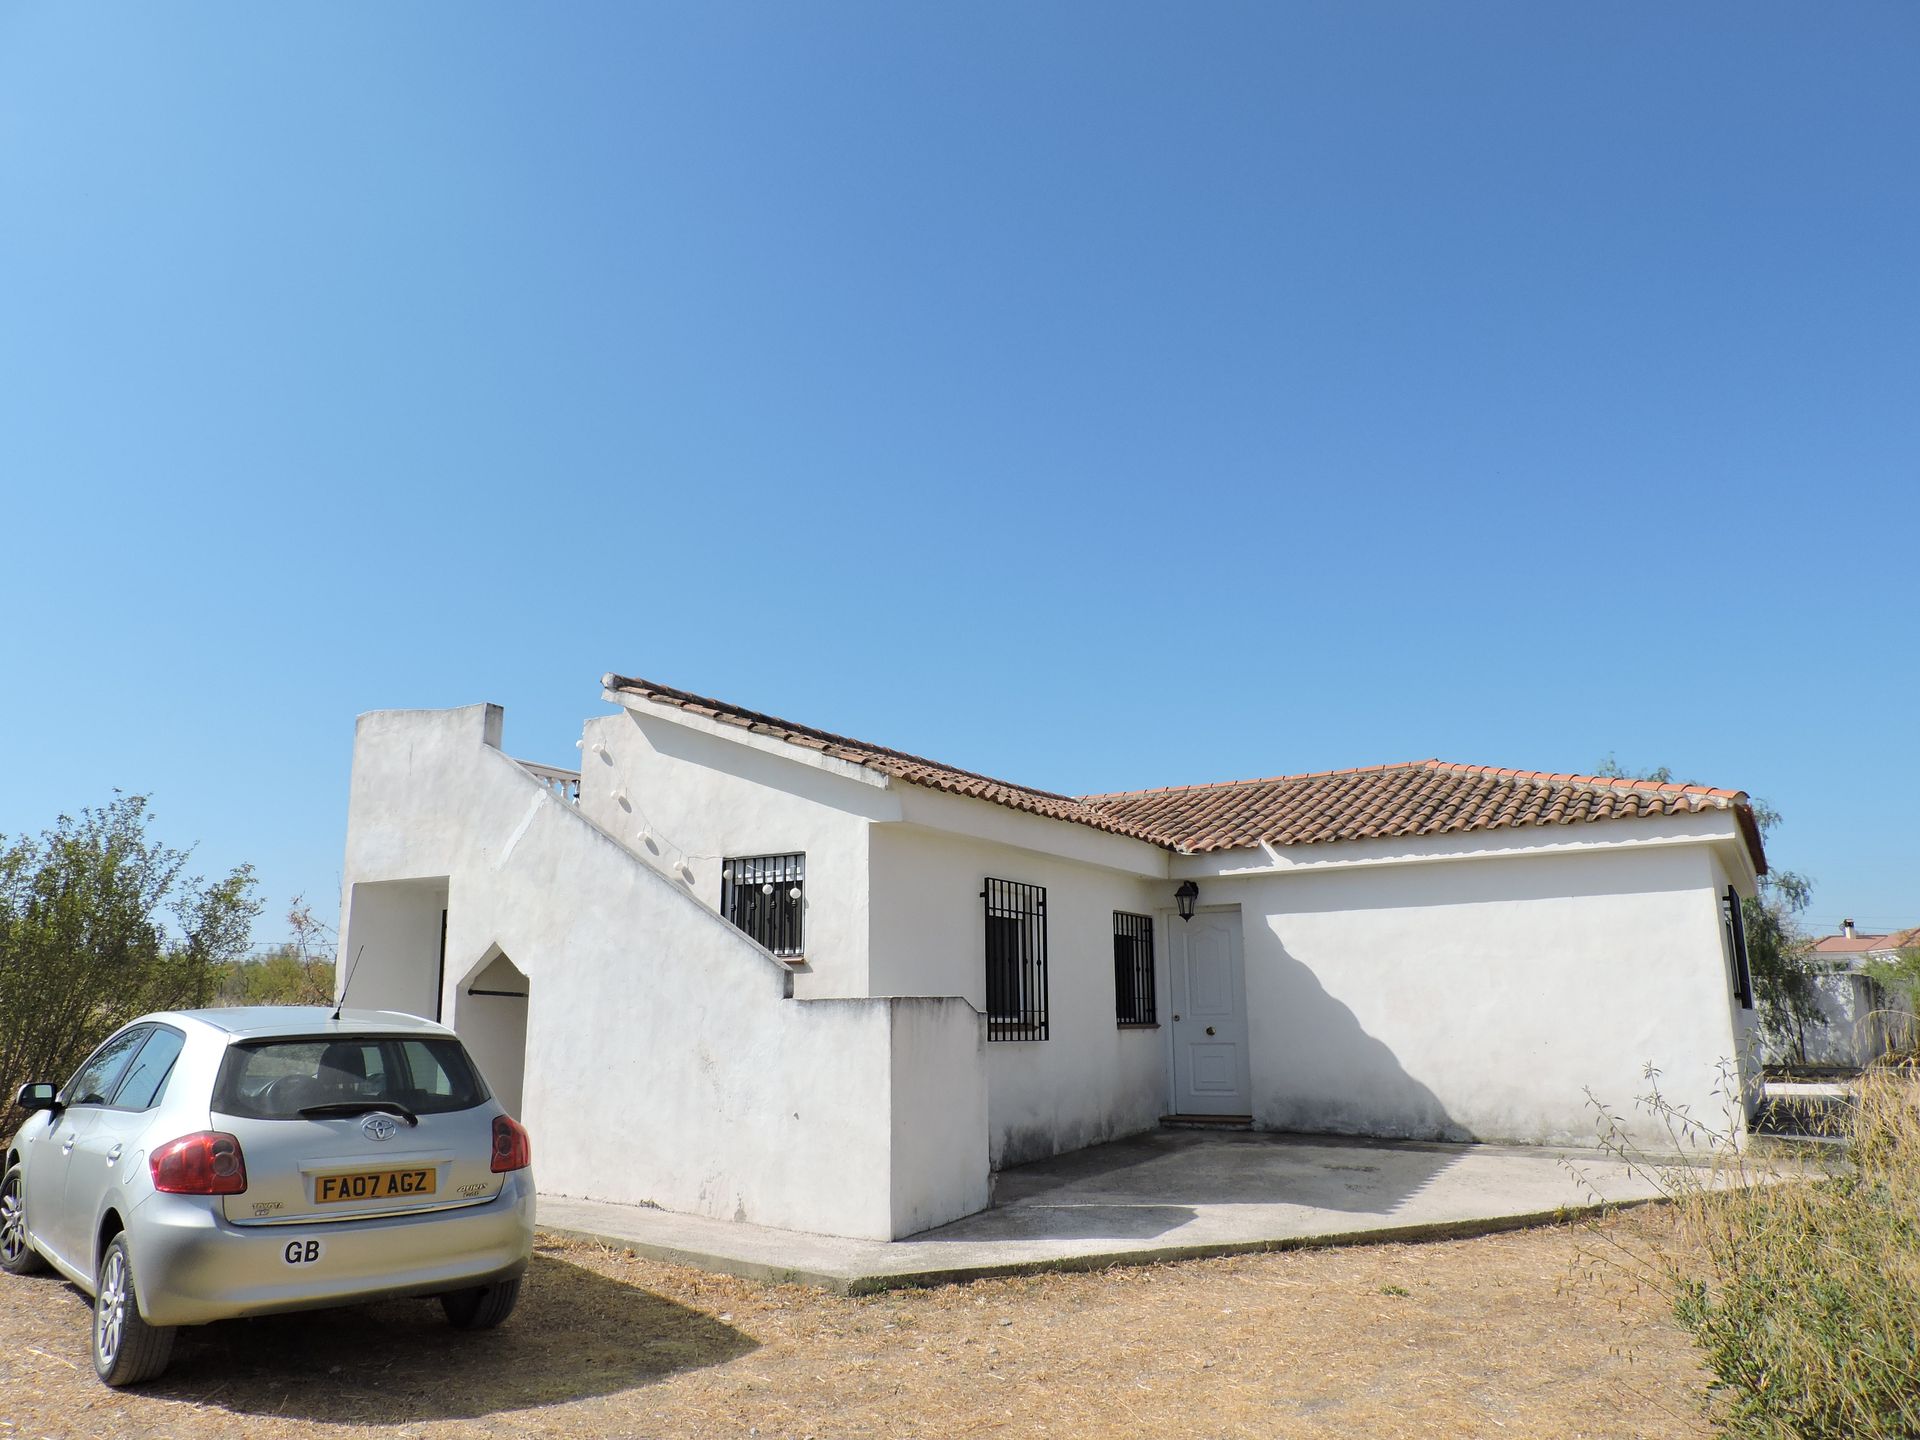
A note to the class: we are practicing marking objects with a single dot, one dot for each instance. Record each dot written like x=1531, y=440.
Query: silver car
x=209, y=1164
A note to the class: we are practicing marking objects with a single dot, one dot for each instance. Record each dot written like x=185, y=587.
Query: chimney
x=1846, y=928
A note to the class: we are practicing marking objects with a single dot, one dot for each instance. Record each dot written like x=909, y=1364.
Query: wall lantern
x=1184, y=898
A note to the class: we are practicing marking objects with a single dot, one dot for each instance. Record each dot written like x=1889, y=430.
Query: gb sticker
x=303, y=1252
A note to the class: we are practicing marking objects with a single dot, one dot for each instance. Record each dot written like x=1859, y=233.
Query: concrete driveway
x=1168, y=1194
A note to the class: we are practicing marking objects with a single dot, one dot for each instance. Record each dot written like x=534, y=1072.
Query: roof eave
x=741, y=734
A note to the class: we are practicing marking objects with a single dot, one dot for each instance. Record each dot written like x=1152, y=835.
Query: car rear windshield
x=277, y=1079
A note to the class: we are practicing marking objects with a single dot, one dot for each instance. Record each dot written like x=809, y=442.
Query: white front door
x=1210, y=1071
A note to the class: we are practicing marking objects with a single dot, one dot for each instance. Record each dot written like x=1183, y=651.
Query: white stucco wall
x=939, y=1112
x=698, y=797
x=393, y=960
x=1090, y=1080
x=1743, y=1020
x=664, y=1063
x=1482, y=999
x=1850, y=1029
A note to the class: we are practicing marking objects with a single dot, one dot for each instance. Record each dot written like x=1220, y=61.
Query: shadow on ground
x=574, y=1335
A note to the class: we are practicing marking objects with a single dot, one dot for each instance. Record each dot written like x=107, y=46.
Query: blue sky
x=1095, y=395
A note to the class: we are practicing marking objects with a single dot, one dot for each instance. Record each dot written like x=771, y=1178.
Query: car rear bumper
x=192, y=1266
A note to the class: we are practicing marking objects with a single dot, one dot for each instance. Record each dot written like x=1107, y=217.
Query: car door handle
x=66, y=1144
x=114, y=1154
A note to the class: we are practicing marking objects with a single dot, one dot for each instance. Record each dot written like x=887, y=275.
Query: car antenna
x=351, y=966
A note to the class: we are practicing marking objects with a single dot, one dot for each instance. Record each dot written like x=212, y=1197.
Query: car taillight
x=512, y=1146
x=206, y=1163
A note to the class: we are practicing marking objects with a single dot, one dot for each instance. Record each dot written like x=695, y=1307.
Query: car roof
x=255, y=1022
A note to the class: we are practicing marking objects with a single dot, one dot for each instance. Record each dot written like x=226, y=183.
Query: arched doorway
x=491, y=1018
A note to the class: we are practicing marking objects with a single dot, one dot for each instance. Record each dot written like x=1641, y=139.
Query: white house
x=745, y=968
x=1858, y=1021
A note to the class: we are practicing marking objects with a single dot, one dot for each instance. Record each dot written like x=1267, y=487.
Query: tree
x=1779, y=953
x=1900, y=978
x=1611, y=769
x=85, y=938
x=299, y=972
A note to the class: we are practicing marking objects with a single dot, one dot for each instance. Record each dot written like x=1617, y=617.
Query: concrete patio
x=1165, y=1195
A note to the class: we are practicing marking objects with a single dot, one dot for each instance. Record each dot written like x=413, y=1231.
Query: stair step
x=1206, y=1122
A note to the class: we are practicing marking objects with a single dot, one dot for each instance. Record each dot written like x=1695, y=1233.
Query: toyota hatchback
x=210, y=1164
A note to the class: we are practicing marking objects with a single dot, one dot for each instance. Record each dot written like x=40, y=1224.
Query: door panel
x=1210, y=1061
x=101, y=1159
x=1215, y=1069
x=1209, y=975
x=49, y=1179
x=52, y=1223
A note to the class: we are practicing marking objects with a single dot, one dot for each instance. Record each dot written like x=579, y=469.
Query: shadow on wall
x=576, y=1334
x=1327, y=1076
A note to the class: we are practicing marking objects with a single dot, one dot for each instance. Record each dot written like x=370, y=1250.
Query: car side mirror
x=37, y=1095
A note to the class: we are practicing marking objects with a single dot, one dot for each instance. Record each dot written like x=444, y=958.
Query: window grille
x=1736, y=926
x=765, y=895
x=1133, y=969
x=1016, y=960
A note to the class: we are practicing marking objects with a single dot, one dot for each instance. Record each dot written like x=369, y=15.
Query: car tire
x=17, y=1255
x=126, y=1349
x=481, y=1308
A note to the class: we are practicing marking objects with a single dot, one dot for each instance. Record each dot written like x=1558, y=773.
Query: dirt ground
x=1462, y=1338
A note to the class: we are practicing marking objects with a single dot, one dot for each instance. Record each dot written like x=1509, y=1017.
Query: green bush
x=1800, y=1282
x=100, y=922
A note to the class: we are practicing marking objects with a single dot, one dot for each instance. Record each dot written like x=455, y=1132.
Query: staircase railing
x=565, y=784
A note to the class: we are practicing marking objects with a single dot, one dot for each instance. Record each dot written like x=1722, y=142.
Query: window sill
x=1137, y=1025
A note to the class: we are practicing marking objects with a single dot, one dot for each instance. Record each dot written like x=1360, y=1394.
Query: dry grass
x=1801, y=1282
x=1464, y=1338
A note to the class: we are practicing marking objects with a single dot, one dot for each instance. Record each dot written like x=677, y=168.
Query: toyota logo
x=379, y=1127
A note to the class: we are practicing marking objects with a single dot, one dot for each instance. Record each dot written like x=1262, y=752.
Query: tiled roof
x=1857, y=944
x=1418, y=797
x=1848, y=944
x=912, y=768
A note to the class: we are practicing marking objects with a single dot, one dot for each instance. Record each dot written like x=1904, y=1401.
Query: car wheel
x=126, y=1349
x=482, y=1308
x=17, y=1255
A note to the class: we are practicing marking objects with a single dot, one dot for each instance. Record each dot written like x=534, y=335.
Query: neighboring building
x=745, y=968
x=1858, y=1024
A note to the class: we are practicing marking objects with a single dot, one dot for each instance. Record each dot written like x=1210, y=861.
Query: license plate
x=373, y=1185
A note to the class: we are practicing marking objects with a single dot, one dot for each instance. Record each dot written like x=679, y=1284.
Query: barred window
x=1133, y=969
x=1016, y=960
x=765, y=895
x=1736, y=927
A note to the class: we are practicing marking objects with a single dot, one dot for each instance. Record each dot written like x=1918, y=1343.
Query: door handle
x=114, y=1154
x=1209, y=1029
x=66, y=1143
x=1176, y=1019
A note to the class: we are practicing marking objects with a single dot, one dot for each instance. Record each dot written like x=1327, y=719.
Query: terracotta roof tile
x=1848, y=944
x=1416, y=797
